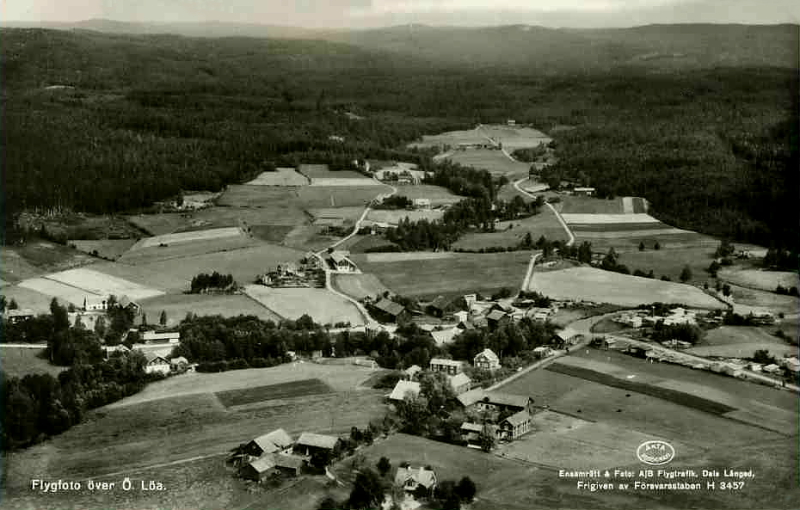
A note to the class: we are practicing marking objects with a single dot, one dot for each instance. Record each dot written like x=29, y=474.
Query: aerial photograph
x=399, y=255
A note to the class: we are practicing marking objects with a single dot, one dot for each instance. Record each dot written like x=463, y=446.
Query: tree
x=328, y=503
x=384, y=465
x=725, y=249
x=163, y=318
x=466, y=489
x=487, y=438
x=726, y=290
x=144, y=319
x=686, y=274
x=60, y=317
x=641, y=246
x=657, y=246
x=367, y=490
x=713, y=268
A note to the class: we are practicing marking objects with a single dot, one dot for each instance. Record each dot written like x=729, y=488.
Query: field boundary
x=548, y=204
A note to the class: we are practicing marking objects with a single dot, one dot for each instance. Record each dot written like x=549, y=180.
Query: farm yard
x=21, y=361
x=280, y=177
x=447, y=273
x=597, y=285
x=358, y=286
x=177, y=306
x=492, y=160
x=322, y=305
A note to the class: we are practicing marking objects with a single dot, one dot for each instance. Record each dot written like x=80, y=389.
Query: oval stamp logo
x=655, y=453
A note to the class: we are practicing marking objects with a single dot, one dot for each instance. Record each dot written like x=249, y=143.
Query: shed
x=259, y=469
x=274, y=441
x=387, y=310
x=308, y=443
x=460, y=383
x=403, y=388
x=412, y=371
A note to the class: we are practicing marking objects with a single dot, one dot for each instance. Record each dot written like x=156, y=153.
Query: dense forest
x=135, y=119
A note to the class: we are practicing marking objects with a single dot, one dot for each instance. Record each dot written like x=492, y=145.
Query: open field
x=358, y=286
x=323, y=172
x=256, y=205
x=107, y=249
x=160, y=224
x=341, y=378
x=244, y=263
x=316, y=197
x=178, y=305
x=143, y=275
x=516, y=137
x=452, y=138
x=628, y=241
x=511, y=233
x=756, y=301
x=408, y=256
x=52, y=288
x=394, y=217
x=359, y=243
x=102, y=284
x=493, y=161
x=349, y=214
x=21, y=361
x=669, y=261
x=38, y=257
x=460, y=273
x=309, y=237
x=255, y=394
x=29, y=298
x=608, y=219
x=343, y=181
x=740, y=342
x=759, y=280
x=575, y=204
x=271, y=233
x=187, y=249
x=188, y=237
x=590, y=284
x=322, y=305
x=280, y=177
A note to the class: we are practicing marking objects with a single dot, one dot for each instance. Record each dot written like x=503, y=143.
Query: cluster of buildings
x=643, y=318
x=277, y=453
x=157, y=347
x=308, y=273
x=338, y=260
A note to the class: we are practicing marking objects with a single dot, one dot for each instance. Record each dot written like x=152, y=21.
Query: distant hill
x=665, y=47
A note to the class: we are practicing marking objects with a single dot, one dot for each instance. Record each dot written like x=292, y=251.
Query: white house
x=172, y=337
x=339, y=262
x=460, y=383
x=448, y=366
x=156, y=364
x=409, y=478
x=487, y=360
x=421, y=203
x=95, y=303
x=403, y=388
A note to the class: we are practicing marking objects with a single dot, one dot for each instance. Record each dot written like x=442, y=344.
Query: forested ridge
x=713, y=149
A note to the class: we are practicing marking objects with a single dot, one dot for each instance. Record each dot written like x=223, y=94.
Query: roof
x=317, y=440
x=94, y=300
x=495, y=315
x=338, y=257
x=422, y=476
x=23, y=312
x=152, y=335
x=506, y=399
x=151, y=356
x=446, y=362
x=124, y=301
x=288, y=461
x=470, y=397
x=390, y=307
x=471, y=427
x=459, y=380
x=445, y=336
x=518, y=418
x=488, y=354
x=584, y=189
x=440, y=302
x=402, y=388
x=115, y=348
x=276, y=440
x=263, y=464
x=179, y=360
x=413, y=369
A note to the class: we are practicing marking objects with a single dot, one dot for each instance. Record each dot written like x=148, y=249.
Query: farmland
x=393, y=217
x=269, y=392
x=177, y=306
x=108, y=248
x=339, y=196
x=37, y=301
x=451, y=138
x=492, y=160
x=280, y=177
x=188, y=249
x=187, y=237
x=436, y=194
x=322, y=305
x=589, y=284
x=52, y=288
x=21, y=361
x=747, y=300
x=512, y=232
x=38, y=257
x=740, y=342
x=575, y=204
x=457, y=273
x=760, y=280
x=668, y=261
x=514, y=138
x=358, y=286
x=93, y=282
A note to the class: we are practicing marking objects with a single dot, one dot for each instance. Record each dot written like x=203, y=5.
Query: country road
x=548, y=204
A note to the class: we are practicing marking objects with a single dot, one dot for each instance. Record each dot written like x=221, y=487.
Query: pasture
x=280, y=177
x=160, y=224
x=21, y=361
x=747, y=300
x=458, y=273
x=52, y=288
x=271, y=233
x=108, y=248
x=492, y=160
x=317, y=197
x=451, y=138
x=349, y=214
x=590, y=284
x=37, y=301
x=177, y=306
x=668, y=261
x=359, y=243
x=322, y=305
x=188, y=237
x=244, y=396
x=188, y=249
x=102, y=284
x=740, y=342
x=513, y=232
x=37, y=257
x=514, y=138
x=576, y=204
x=758, y=279
x=394, y=217
x=309, y=237
x=358, y=286
x=244, y=263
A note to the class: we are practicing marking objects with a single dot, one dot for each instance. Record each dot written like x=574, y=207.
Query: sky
x=371, y=13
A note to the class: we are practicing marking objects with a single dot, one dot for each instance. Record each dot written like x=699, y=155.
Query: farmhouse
x=583, y=191
x=126, y=304
x=152, y=337
x=404, y=388
x=109, y=350
x=515, y=426
x=309, y=443
x=411, y=372
x=497, y=318
x=410, y=479
x=439, y=306
x=387, y=310
x=338, y=261
x=275, y=441
x=471, y=397
x=258, y=470
x=448, y=366
x=487, y=360
x=504, y=402
x=95, y=303
x=156, y=364
x=460, y=383
x=179, y=363
x=288, y=464
x=16, y=316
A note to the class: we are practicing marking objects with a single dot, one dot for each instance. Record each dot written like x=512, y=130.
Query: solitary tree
x=384, y=465
x=466, y=489
x=163, y=319
x=657, y=246
x=12, y=305
x=367, y=490
x=486, y=439
x=100, y=327
x=60, y=317
x=144, y=319
x=686, y=274
x=641, y=245
x=726, y=290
